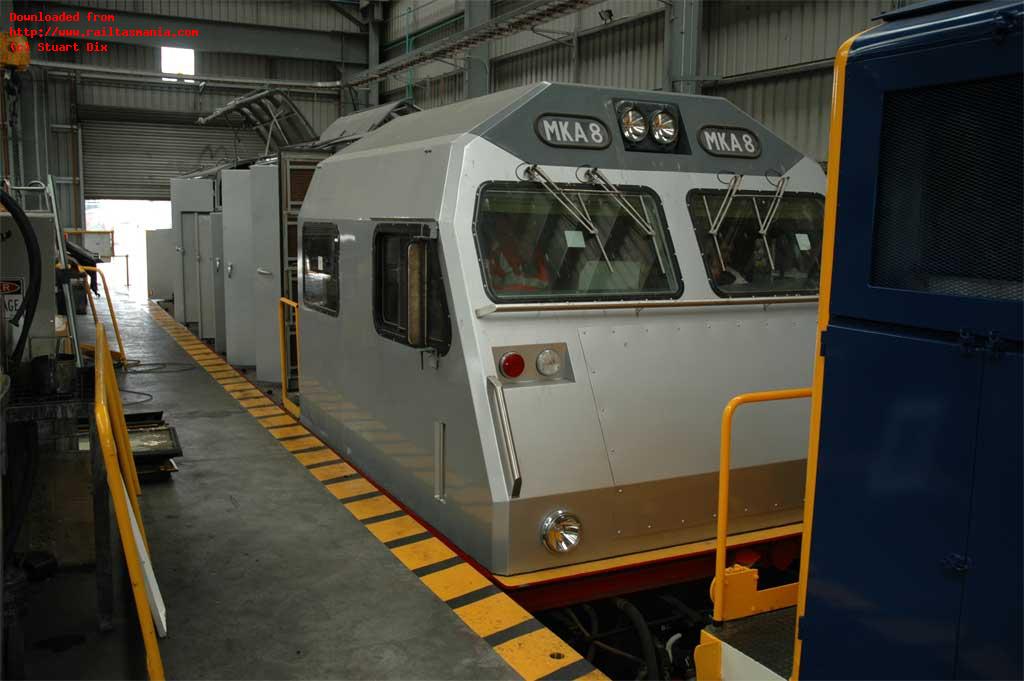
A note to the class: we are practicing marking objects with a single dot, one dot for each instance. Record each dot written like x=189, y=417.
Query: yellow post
x=828, y=241
x=283, y=345
x=722, y=531
x=116, y=486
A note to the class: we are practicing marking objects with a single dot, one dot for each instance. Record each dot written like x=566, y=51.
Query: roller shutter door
x=125, y=160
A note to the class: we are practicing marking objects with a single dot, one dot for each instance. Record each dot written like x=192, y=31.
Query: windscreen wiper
x=595, y=176
x=580, y=214
x=765, y=222
x=718, y=218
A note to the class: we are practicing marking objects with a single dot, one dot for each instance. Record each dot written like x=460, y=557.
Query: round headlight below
x=633, y=124
x=549, y=363
x=561, y=531
x=664, y=129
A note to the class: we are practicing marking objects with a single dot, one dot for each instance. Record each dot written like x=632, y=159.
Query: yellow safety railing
x=722, y=534
x=282, y=338
x=122, y=357
x=122, y=483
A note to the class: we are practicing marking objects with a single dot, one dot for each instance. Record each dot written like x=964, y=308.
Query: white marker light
x=549, y=363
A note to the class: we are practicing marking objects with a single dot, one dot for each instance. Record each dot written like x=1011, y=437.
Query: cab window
x=320, y=280
x=761, y=243
x=573, y=242
x=391, y=288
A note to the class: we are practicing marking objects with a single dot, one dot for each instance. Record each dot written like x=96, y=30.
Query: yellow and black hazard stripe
x=530, y=648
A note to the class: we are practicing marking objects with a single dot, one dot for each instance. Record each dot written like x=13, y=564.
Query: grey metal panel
x=267, y=274
x=236, y=207
x=797, y=107
x=513, y=130
x=137, y=160
x=14, y=265
x=553, y=63
x=161, y=258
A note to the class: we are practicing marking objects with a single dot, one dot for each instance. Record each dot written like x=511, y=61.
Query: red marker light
x=512, y=364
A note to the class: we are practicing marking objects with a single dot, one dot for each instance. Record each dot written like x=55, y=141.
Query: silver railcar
x=522, y=315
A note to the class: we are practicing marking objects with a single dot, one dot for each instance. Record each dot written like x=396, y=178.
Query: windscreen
x=541, y=243
x=759, y=243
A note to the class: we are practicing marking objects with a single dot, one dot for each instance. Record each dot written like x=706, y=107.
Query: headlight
x=561, y=531
x=664, y=129
x=549, y=363
x=634, y=125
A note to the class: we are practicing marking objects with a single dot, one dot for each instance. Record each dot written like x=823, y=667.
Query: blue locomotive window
x=759, y=243
x=573, y=242
x=320, y=280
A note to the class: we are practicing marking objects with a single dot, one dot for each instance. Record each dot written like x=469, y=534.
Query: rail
x=722, y=532
x=487, y=310
x=122, y=357
x=124, y=489
x=282, y=338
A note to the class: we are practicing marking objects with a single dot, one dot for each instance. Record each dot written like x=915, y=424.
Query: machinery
x=910, y=564
x=522, y=314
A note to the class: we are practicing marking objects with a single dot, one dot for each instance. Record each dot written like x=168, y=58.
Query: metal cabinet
x=161, y=257
x=236, y=207
x=211, y=280
x=190, y=198
x=266, y=245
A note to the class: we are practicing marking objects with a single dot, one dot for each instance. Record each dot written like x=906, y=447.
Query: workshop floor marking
x=528, y=647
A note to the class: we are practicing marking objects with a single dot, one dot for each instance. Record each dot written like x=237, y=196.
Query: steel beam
x=212, y=36
x=477, y=76
x=682, y=45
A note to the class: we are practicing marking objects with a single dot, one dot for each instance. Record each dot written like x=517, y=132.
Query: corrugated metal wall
x=629, y=53
x=746, y=37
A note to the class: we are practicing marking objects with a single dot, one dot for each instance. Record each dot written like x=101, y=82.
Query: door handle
x=264, y=271
x=231, y=268
x=505, y=427
x=179, y=249
x=216, y=264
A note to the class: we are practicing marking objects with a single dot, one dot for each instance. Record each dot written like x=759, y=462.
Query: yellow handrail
x=292, y=408
x=722, y=532
x=121, y=478
x=110, y=308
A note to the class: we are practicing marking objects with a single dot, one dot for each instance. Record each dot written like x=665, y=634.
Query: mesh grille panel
x=950, y=189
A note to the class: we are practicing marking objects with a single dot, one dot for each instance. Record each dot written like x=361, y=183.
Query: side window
x=410, y=305
x=320, y=277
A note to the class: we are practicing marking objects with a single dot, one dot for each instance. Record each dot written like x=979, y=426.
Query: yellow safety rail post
x=118, y=471
x=122, y=357
x=282, y=337
x=722, y=533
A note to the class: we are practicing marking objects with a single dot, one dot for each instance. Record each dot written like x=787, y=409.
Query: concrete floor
x=264, y=573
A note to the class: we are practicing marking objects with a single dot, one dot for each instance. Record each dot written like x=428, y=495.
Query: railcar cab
x=543, y=299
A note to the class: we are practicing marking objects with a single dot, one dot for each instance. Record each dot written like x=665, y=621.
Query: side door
x=267, y=273
x=896, y=456
x=238, y=268
x=990, y=624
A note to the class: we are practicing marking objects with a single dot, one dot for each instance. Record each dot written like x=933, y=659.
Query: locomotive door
x=894, y=472
x=990, y=623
